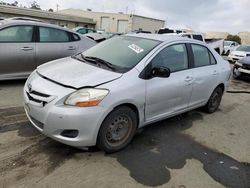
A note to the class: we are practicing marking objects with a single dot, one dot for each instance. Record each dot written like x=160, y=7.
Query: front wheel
x=117, y=130
x=214, y=101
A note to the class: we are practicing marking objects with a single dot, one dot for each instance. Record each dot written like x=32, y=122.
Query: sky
x=231, y=16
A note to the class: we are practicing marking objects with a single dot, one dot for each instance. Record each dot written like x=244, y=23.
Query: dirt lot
x=192, y=150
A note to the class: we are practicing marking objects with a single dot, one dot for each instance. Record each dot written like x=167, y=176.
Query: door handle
x=26, y=48
x=188, y=78
x=71, y=48
x=215, y=72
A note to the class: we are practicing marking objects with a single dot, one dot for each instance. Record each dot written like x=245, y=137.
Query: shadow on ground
x=163, y=146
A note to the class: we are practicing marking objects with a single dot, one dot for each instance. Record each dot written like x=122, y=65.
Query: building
x=69, y=21
x=245, y=37
x=216, y=35
x=118, y=22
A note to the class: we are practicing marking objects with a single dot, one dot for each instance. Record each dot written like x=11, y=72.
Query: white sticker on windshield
x=136, y=48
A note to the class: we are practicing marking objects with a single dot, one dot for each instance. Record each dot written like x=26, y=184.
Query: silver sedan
x=26, y=44
x=101, y=96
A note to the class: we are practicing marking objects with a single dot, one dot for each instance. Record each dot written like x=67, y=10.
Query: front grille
x=37, y=123
x=39, y=98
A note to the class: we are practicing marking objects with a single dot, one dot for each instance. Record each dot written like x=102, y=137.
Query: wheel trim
x=215, y=100
x=119, y=130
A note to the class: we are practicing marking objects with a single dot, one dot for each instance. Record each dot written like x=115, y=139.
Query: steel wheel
x=117, y=129
x=214, y=101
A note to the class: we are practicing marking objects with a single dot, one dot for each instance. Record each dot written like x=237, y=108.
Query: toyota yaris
x=101, y=96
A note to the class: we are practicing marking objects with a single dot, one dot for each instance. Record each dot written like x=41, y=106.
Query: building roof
x=44, y=14
x=111, y=13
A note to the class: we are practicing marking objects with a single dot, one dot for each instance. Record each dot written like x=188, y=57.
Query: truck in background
x=216, y=44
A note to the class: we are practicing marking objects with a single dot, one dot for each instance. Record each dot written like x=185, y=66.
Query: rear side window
x=16, y=34
x=202, y=56
x=198, y=37
x=173, y=57
x=74, y=37
x=53, y=35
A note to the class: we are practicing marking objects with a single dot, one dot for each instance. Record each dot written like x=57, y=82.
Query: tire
x=228, y=52
x=236, y=74
x=214, y=101
x=117, y=130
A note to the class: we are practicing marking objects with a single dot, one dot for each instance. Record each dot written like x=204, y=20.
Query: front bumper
x=234, y=58
x=53, y=118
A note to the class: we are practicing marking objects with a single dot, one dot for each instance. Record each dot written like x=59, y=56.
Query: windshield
x=123, y=52
x=227, y=43
x=244, y=48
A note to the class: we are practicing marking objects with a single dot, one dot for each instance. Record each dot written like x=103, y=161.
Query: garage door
x=105, y=23
x=122, y=26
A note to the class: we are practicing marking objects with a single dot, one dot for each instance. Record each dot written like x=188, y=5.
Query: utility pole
x=57, y=7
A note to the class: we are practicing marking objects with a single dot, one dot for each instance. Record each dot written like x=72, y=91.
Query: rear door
x=17, y=51
x=53, y=44
x=205, y=72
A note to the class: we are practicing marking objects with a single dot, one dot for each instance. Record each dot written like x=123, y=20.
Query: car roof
x=163, y=38
x=11, y=22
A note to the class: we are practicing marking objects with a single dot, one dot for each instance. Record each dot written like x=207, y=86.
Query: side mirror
x=161, y=72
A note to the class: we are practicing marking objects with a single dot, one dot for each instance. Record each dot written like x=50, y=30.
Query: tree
x=234, y=38
x=34, y=5
x=51, y=10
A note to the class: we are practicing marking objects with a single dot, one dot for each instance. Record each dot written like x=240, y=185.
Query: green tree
x=234, y=38
x=34, y=5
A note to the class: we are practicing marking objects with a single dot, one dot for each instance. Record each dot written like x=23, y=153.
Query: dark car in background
x=242, y=68
x=84, y=30
x=26, y=44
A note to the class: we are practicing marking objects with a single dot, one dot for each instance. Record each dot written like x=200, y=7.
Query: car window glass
x=198, y=37
x=212, y=59
x=52, y=35
x=173, y=57
x=201, y=55
x=16, y=34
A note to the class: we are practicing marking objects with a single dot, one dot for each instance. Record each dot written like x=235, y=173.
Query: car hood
x=72, y=73
x=245, y=60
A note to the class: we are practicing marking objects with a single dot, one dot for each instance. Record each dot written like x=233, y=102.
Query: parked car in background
x=216, y=44
x=229, y=46
x=97, y=37
x=139, y=31
x=84, y=30
x=26, y=44
x=239, y=53
x=104, y=94
x=242, y=68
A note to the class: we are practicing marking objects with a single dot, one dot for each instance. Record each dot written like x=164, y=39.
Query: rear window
x=198, y=37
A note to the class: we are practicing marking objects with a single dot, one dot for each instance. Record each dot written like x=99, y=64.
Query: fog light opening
x=70, y=133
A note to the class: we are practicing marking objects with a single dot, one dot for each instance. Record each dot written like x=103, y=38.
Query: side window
x=173, y=57
x=16, y=34
x=198, y=37
x=212, y=59
x=75, y=37
x=53, y=35
x=202, y=56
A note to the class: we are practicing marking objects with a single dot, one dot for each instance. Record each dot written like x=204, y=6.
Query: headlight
x=239, y=64
x=86, y=97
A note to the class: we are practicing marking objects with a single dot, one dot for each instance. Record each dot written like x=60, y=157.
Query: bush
x=234, y=38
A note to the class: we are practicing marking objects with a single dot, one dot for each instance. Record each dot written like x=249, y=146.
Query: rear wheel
x=214, y=101
x=117, y=130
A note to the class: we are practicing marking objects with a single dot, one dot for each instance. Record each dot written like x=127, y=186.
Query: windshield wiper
x=98, y=61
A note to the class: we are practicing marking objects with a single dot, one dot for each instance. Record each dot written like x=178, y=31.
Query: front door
x=17, y=51
x=167, y=96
